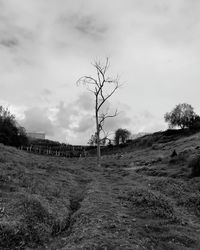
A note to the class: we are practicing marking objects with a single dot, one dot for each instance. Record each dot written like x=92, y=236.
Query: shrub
x=194, y=164
x=121, y=136
x=195, y=123
x=10, y=133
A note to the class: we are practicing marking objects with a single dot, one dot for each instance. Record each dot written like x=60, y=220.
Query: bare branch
x=101, y=70
x=87, y=80
x=105, y=136
x=103, y=87
x=108, y=96
x=104, y=116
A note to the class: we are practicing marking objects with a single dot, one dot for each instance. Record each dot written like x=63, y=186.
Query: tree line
x=182, y=116
x=102, y=86
x=12, y=134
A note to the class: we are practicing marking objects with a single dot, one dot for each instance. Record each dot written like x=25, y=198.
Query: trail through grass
x=143, y=200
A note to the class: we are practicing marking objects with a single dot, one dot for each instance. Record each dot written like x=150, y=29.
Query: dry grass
x=144, y=200
x=35, y=200
x=194, y=164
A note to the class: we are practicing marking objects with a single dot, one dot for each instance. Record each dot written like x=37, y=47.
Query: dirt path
x=73, y=204
x=122, y=209
x=100, y=221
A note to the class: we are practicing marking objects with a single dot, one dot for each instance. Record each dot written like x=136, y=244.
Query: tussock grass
x=138, y=201
x=150, y=203
x=194, y=164
x=34, y=204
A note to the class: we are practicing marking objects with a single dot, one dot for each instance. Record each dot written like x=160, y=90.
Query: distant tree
x=110, y=145
x=6, y=116
x=10, y=133
x=182, y=116
x=93, y=140
x=121, y=135
x=103, y=87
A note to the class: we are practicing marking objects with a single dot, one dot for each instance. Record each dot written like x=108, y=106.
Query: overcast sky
x=45, y=46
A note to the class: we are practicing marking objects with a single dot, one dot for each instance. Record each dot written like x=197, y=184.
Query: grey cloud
x=180, y=25
x=64, y=114
x=37, y=120
x=46, y=92
x=84, y=25
x=46, y=95
x=141, y=118
x=85, y=101
x=82, y=106
x=9, y=42
x=85, y=123
x=88, y=25
x=58, y=40
x=78, y=116
x=121, y=120
x=153, y=7
x=145, y=121
x=14, y=34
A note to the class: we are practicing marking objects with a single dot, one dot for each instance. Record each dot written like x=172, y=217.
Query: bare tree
x=103, y=87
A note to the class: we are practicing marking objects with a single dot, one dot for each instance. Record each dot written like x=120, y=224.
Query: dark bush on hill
x=121, y=136
x=194, y=164
x=195, y=123
x=10, y=133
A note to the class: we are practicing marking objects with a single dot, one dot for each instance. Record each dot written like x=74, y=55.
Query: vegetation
x=182, y=116
x=121, y=136
x=195, y=123
x=194, y=164
x=10, y=133
x=103, y=87
x=141, y=200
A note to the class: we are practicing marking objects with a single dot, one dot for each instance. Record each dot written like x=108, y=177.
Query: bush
x=121, y=136
x=10, y=133
x=195, y=123
x=194, y=164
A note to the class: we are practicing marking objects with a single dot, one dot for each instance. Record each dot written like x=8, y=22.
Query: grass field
x=143, y=200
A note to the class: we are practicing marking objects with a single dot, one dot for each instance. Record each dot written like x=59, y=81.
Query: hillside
x=142, y=200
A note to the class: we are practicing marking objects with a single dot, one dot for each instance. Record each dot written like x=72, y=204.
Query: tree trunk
x=98, y=138
x=98, y=150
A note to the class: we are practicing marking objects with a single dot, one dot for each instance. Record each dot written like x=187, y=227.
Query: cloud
x=9, y=42
x=85, y=101
x=121, y=120
x=85, y=123
x=145, y=121
x=46, y=92
x=46, y=46
x=46, y=96
x=37, y=120
x=76, y=116
x=73, y=122
x=89, y=26
x=65, y=114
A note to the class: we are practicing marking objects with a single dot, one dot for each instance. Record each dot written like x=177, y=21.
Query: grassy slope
x=144, y=200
